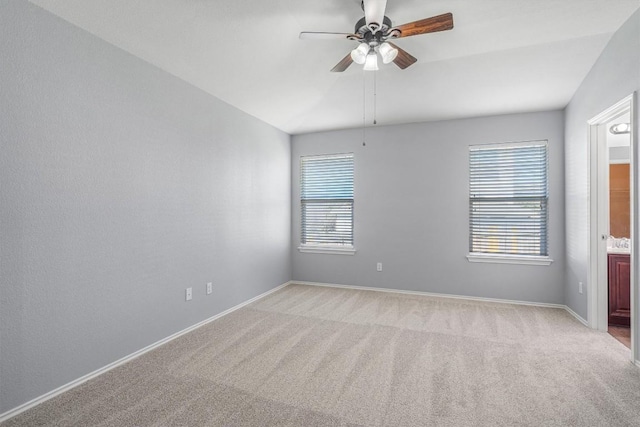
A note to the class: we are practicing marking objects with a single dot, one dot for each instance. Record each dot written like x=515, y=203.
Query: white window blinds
x=326, y=199
x=508, y=198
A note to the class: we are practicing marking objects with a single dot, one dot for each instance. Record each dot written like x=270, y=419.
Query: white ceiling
x=503, y=56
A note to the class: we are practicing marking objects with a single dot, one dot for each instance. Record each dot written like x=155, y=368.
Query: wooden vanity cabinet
x=619, y=289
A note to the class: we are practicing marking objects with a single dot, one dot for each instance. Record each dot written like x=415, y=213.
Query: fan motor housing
x=362, y=29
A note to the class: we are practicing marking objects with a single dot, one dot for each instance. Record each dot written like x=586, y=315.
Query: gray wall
x=614, y=76
x=411, y=209
x=121, y=185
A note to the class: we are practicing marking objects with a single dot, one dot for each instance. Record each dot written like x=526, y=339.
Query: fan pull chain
x=375, y=97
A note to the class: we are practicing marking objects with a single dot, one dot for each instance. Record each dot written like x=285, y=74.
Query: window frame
x=328, y=248
x=505, y=258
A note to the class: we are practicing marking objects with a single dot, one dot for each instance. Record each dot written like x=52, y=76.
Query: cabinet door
x=619, y=289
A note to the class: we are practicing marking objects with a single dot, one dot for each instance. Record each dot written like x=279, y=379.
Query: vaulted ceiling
x=503, y=56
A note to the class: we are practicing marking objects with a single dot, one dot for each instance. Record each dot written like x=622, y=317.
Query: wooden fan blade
x=404, y=58
x=424, y=26
x=310, y=35
x=374, y=11
x=343, y=64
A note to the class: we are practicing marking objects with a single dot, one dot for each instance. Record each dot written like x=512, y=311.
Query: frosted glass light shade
x=387, y=52
x=620, y=128
x=359, y=54
x=371, y=63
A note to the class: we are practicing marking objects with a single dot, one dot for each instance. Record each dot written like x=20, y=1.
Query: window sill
x=510, y=259
x=334, y=250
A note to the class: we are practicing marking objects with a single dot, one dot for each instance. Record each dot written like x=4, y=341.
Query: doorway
x=618, y=139
x=613, y=202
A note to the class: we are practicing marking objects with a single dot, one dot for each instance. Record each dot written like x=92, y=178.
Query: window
x=508, y=203
x=326, y=203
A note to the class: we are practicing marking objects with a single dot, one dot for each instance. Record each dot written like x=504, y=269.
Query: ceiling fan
x=373, y=33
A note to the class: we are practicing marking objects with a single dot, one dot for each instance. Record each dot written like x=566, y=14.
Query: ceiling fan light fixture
x=371, y=63
x=387, y=52
x=359, y=54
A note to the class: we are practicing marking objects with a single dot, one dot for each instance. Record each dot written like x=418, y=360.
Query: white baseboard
x=431, y=294
x=30, y=404
x=577, y=316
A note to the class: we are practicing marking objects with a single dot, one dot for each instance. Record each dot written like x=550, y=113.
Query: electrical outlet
x=379, y=266
x=188, y=294
x=209, y=288
x=580, y=287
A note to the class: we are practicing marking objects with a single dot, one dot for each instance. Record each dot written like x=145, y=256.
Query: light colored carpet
x=306, y=356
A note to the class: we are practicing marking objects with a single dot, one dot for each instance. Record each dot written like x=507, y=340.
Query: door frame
x=597, y=279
